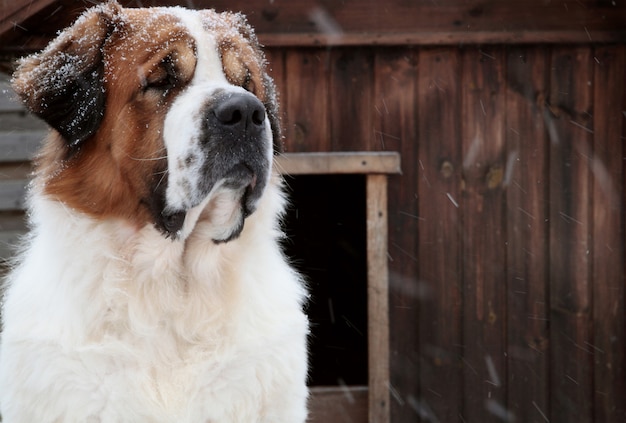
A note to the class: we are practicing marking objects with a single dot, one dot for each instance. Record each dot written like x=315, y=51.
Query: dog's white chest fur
x=153, y=331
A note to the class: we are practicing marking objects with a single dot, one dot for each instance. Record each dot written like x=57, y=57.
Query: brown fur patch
x=243, y=61
x=117, y=172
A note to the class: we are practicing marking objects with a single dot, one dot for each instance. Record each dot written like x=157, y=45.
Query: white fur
x=107, y=324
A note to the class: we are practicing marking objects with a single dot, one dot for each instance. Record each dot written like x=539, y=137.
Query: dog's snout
x=240, y=110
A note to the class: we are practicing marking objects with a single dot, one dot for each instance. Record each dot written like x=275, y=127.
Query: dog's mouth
x=235, y=193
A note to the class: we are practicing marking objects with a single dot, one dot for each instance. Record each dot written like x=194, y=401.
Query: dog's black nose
x=240, y=110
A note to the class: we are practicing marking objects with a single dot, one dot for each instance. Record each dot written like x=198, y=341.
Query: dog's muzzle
x=235, y=143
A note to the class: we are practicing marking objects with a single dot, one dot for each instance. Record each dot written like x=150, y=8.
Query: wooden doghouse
x=488, y=276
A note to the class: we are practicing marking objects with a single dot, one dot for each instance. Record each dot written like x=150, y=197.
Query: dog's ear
x=63, y=84
x=273, y=112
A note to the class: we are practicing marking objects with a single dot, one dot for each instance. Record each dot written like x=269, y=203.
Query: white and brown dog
x=152, y=287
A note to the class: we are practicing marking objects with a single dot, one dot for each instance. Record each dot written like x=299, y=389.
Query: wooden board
x=14, y=13
x=608, y=347
x=351, y=110
x=377, y=299
x=483, y=233
x=354, y=22
x=19, y=146
x=394, y=123
x=347, y=404
x=526, y=180
x=569, y=124
x=438, y=178
x=307, y=100
x=342, y=162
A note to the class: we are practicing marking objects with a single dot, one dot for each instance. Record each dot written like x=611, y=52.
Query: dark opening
x=326, y=242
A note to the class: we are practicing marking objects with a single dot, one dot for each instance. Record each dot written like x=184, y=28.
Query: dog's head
x=157, y=111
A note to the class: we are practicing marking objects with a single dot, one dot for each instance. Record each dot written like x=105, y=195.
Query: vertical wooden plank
x=526, y=181
x=351, y=88
x=377, y=298
x=609, y=345
x=569, y=126
x=484, y=234
x=438, y=178
x=307, y=103
x=395, y=76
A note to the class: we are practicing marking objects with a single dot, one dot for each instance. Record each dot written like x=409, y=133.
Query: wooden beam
x=327, y=403
x=441, y=38
x=377, y=299
x=36, y=42
x=338, y=163
x=27, y=25
x=14, y=13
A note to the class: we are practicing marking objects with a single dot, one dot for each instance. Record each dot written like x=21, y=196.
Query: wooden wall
x=506, y=227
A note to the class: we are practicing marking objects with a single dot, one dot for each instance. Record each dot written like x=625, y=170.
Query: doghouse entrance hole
x=326, y=228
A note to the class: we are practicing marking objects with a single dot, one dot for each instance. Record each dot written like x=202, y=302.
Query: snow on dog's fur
x=152, y=287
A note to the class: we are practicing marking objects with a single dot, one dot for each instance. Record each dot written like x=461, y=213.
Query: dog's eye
x=248, y=84
x=163, y=77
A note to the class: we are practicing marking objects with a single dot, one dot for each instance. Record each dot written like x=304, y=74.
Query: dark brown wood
x=357, y=22
x=338, y=403
x=308, y=100
x=438, y=177
x=608, y=345
x=14, y=13
x=569, y=125
x=350, y=100
x=395, y=127
x=28, y=25
x=437, y=38
x=484, y=234
x=526, y=181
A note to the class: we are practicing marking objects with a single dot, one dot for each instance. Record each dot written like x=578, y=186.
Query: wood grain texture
x=359, y=22
x=438, y=179
x=608, y=345
x=385, y=162
x=569, y=126
x=395, y=128
x=483, y=262
x=350, y=100
x=377, y=299
x=307, y=100
x=526, y=181
x=345, y=403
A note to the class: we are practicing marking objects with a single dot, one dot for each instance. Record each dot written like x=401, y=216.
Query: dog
x=152, y=286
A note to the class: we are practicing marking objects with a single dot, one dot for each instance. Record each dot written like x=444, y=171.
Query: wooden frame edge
x=376, y=166
x=338, y=163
